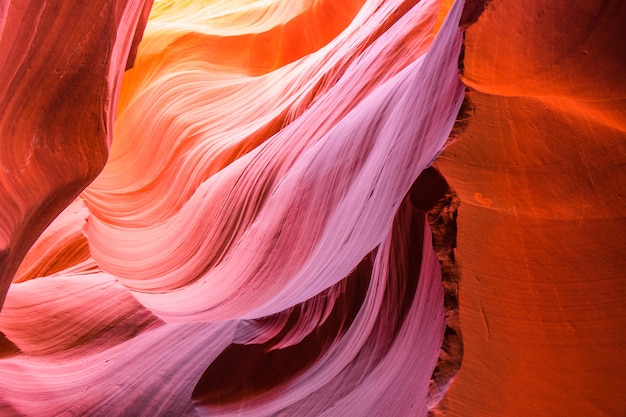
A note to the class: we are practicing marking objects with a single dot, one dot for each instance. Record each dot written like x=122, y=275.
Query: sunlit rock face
x=259, y=216
x=259, y=241
x=540, y=175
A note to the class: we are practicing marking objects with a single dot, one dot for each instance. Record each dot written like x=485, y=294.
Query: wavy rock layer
x=257, y=243
x=58, y=93
x=540, y=173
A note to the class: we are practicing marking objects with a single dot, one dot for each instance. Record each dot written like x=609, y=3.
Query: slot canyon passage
x=312, y=208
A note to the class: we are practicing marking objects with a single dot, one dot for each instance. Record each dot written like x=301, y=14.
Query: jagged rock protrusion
x=432, y=194
x=442, y=220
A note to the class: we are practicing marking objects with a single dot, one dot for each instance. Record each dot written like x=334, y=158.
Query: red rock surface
x=540, y=171
x=61, y=64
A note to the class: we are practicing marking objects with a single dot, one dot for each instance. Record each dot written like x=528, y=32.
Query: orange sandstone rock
x=540, y=174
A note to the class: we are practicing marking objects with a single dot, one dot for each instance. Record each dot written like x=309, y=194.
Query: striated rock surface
x=61, y=64
x=263, y=232
x=258, y=242
x=540, y=171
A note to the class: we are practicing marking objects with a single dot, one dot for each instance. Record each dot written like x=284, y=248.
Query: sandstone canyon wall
x=251, y=208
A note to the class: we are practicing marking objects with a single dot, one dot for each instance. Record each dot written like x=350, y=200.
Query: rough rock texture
x=432, y=194
x=540, y=171
x=61, y=64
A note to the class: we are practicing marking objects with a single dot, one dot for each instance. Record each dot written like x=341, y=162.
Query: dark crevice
x=7, y=347
x=244, y=371
x=472, y=11
x=465, y=113
x=431, y=193
x=442, y=220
